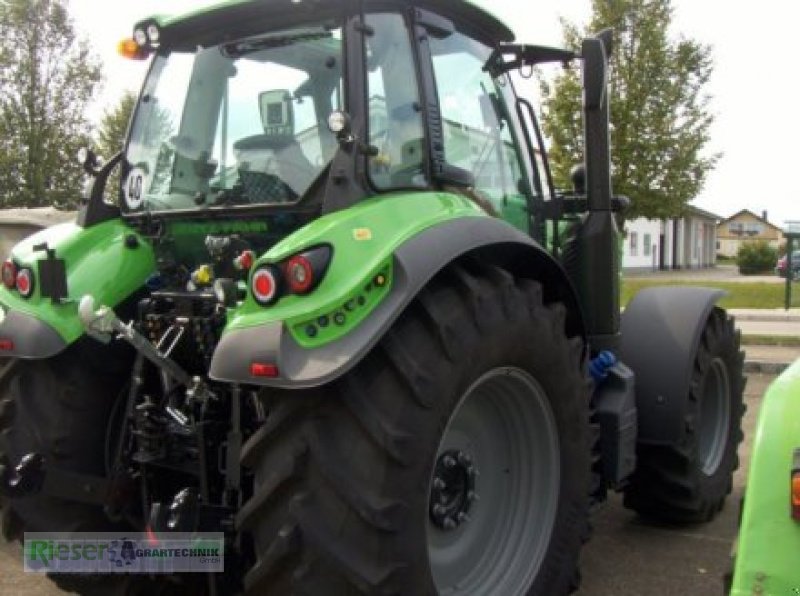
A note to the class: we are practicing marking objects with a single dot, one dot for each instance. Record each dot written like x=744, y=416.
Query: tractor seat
x=272, y=165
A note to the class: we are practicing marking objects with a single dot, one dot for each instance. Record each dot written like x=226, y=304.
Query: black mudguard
x=661, y=330
x=416, y=262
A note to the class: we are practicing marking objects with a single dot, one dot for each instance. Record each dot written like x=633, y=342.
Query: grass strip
x=740, y=294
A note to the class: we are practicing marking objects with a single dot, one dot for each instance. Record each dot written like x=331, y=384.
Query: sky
x=754, y=88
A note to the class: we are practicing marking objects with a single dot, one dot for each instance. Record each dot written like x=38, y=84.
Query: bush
x=756, y=257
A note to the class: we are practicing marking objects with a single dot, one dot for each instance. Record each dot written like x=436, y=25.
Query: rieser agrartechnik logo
x=84, y=552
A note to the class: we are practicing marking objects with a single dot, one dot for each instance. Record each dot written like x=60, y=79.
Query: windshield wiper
x=241, y=48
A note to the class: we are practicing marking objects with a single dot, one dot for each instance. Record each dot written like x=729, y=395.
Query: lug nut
x=449, y=462
x=463, y=518
x=439, y=484
x=439, y=510
x=449, y=524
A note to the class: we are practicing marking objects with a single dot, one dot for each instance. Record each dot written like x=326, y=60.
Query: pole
x=787, y=300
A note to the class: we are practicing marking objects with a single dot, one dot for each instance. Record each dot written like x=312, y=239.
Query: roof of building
x=697, y=212
x=748, y=212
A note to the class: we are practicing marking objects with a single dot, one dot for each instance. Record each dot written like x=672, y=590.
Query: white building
x=687, y=242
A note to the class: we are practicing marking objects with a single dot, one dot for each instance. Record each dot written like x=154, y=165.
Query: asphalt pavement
x=629, y=556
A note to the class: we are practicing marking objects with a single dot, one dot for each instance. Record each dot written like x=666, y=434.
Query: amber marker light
x=131, y=50
x=795, y=485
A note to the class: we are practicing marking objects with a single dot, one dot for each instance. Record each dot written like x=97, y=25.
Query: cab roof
x=204, y=25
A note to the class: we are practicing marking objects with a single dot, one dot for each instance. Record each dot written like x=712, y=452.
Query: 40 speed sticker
x=135, y=187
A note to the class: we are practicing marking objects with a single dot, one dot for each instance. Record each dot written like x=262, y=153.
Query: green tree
x=47, y=77
x=660, y=118
x=114, y=126
x=111, y=138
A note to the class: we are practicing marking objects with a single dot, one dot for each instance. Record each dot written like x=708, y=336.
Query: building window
x=634, y=240
x=747, y=228
x=646, y=245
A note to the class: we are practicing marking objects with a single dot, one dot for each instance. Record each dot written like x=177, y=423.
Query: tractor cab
x=322, y=108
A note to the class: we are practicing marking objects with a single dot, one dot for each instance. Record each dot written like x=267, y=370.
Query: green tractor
x=339, y=314
x=764, y=557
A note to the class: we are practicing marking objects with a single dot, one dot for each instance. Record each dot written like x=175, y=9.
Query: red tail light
x=264, y=284
x=9, y=275
x=25, y=282
x=6, y=345
x=259, y=369
x=795, y=485
x=299, y=274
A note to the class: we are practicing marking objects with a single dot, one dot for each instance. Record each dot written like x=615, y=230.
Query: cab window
x=478, y=133
x=395, y=115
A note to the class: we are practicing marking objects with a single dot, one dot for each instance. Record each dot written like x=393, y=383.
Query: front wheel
x=454, y=459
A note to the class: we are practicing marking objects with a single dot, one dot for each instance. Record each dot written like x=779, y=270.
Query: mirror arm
x=96, y=210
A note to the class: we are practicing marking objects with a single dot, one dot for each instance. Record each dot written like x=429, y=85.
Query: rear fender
x=409, y=264
x=110, y=261
x=661, y=330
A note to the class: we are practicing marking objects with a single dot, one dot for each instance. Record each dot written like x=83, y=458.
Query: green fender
x=385, y=250
x=769, y=539
x=110, y=261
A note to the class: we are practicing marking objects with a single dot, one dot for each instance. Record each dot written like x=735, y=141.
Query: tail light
x=795, y=486
x=264, y=285
x=298, y=274
x=260, y=369
x=9, y=275
x=25, y=281
x=304, y=271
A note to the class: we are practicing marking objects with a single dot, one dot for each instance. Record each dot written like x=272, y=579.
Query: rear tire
x=344, y=475
x=689, y=480
x=60, y=408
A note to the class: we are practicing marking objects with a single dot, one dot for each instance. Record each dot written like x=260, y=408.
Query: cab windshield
x=241, y=123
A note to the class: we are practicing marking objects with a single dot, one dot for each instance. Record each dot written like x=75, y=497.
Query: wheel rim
x=501, y=445
x=714, y=417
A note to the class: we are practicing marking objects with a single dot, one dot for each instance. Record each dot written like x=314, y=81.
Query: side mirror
x=596, y=53
x=578, y=177
x=90, y=161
